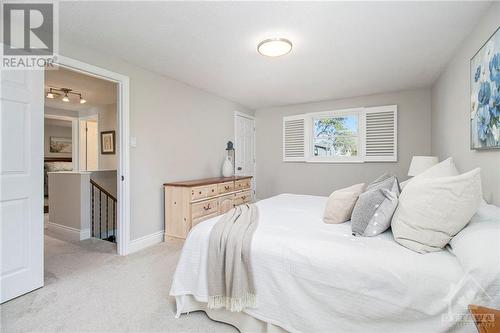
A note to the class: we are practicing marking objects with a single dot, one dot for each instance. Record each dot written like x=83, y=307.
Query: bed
x=317, y=277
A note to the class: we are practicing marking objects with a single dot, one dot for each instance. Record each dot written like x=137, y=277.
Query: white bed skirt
x=242, y=321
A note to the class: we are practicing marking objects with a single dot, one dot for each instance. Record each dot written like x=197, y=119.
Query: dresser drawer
x=243, y=197
x=226, y=187
x=198, y=193
x=226, y=203
x=212, y=190
x=202, y=192
x=243, y=184
x=203, y=208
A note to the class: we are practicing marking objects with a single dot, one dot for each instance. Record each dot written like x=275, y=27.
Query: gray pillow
x=373, y=211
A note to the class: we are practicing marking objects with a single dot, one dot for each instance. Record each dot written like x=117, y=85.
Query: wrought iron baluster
x=107, y=215
x=100, y=213
x=114, y=223
x=110, y=236
x=93, y=207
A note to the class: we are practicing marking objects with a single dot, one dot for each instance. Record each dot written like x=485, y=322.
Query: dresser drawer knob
x=207, y=207
x=199, y=192
x=227, y=187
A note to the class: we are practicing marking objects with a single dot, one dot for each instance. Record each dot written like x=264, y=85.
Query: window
x=336, y=136
x=352, y=135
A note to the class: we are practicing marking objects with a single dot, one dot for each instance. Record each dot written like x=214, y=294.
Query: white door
x=21, y=182
x=92, y=146
x=244, y=145
x=89, y=145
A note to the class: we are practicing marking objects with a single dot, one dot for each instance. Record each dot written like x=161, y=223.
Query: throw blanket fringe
x=230, y=280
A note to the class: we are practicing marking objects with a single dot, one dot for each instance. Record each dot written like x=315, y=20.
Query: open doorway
x=81, y=157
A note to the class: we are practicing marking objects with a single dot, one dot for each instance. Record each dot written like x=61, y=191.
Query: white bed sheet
x=317, y=277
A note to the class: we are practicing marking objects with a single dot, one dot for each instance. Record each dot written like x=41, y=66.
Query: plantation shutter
x=294, y=138
x=381, y=134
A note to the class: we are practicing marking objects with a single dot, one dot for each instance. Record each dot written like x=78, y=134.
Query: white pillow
x=477, y=248
x=433, y=210
x=341, y=203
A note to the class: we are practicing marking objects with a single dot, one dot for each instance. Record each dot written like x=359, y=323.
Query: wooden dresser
x=191, y=202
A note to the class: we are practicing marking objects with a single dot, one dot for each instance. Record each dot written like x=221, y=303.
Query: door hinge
x=123, y=178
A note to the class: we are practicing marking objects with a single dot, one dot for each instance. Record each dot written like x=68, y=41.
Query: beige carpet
x=88, y=288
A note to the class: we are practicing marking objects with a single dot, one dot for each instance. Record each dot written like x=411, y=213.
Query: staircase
x=102, y=212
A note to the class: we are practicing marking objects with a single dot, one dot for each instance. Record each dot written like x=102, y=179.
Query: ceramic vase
x=227, y=168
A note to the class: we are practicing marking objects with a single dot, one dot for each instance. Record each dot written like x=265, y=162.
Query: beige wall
x=275, y=176
x=69, y=199
x=451, y=110
x=181, y=133
x=107, y=121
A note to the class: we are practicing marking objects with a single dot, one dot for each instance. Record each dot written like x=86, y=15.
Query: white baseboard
x=145, y=241
x=85, y=234
x=67, y=233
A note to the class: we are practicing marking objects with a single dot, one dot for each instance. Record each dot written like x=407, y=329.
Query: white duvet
x=317, y=277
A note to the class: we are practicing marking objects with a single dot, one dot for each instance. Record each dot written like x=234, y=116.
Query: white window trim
x=360, y=158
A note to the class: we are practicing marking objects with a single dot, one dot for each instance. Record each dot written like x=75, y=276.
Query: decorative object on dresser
x=228, y=165
x=188, y=203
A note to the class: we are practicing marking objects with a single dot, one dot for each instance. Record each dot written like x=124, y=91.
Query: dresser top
x=206, y=181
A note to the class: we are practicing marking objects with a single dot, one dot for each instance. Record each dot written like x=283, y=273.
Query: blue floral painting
x=485, y=95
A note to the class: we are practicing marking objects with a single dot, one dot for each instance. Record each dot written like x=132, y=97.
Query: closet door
x=244, y=146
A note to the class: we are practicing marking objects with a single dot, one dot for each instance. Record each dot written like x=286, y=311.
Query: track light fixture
x=53, y=92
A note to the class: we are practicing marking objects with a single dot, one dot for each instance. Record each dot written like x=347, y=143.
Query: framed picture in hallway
x=60, y=145
x=108, y=144
x=485, y=95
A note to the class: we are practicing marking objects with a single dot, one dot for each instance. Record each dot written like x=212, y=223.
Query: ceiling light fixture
x=274, y=47
x=65, y=92
x=50, y=94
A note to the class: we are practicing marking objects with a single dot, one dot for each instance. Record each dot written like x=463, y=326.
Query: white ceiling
x=341, y=49
x=94, y=90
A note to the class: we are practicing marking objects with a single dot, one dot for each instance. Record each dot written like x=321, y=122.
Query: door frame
x=252, y=118
x=123, y=122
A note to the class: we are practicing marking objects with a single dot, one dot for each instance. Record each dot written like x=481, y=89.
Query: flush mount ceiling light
x=274, y=47
x=52, y=94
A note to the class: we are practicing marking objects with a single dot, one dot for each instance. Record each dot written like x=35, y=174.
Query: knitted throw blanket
x=230, y=281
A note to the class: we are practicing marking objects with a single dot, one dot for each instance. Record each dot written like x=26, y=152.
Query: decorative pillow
x=373, y=212
x=341, y=202
x=477, y=246
x=433, y=210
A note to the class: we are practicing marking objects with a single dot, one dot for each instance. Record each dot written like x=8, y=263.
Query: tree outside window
x=335, y=136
